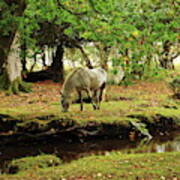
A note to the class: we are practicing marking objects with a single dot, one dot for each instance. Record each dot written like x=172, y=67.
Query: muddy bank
x=137, y=126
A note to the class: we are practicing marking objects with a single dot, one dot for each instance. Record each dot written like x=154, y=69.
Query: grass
x=143, y=98
x=113, y=166
x=112, y=111
x=27, y=163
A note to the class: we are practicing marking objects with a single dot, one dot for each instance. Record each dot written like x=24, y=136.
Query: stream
x=71, y=151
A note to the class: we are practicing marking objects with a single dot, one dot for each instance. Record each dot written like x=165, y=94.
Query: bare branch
x=176, y=55
x=88, y=62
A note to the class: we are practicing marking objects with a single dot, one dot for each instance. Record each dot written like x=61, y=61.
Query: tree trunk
x=6, y=40
x=23, y=56
x=58, y=65
x=10, y=63
x=13, y=64
x=166, y=59
x=43, y=56
x=5, y=43
x=11, y=77
x=34, y=63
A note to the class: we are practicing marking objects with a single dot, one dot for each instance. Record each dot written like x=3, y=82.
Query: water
x=71, y=151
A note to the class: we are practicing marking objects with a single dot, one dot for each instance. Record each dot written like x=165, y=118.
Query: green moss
x=14, y=87
x=118, y=112
x=27, y=163
x=4, y=83
x=25, y=87
x=18, y=85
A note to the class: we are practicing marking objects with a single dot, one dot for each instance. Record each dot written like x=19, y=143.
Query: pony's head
x=65, y=102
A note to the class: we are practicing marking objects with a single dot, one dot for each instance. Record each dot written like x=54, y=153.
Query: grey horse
x=92, y=81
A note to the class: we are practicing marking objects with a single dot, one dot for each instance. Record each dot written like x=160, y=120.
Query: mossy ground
x=122, y=106
x=113, y=165
x=142, y=98
x=146, y=99
x=27, y=163
x=18, y=85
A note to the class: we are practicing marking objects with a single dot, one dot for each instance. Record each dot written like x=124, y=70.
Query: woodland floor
x=40, y=111
x=125, y=107
x=45, y=99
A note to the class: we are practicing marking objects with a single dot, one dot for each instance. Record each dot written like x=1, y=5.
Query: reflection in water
x=173, y=146
x=158, y=144
x=160, y=148
x=70, y=151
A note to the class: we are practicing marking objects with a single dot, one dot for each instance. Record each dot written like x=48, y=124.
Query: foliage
x=136, y=24
x=136, y=28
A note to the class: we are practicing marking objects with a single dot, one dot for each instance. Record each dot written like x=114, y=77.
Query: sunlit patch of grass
x=112, y=111
x=27, y=163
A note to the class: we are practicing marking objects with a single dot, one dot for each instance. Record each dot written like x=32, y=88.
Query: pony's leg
x=89, y=93
x=81, y=100
x=96, y=98
x=101, y=91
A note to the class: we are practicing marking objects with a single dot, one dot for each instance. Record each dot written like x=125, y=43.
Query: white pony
x=92, y=81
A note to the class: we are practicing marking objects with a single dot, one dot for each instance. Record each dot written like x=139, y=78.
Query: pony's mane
x=71, y=74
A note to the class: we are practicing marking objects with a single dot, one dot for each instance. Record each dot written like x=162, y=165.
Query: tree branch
x=88, y=62
x=176, y=55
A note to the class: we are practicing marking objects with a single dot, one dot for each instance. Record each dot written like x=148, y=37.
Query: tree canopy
x=136, y=28
x=129, y=23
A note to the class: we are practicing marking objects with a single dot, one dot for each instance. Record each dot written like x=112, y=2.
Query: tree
x=133, y=26
x=167, y=56
x=10, y=65
x=57, y=65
